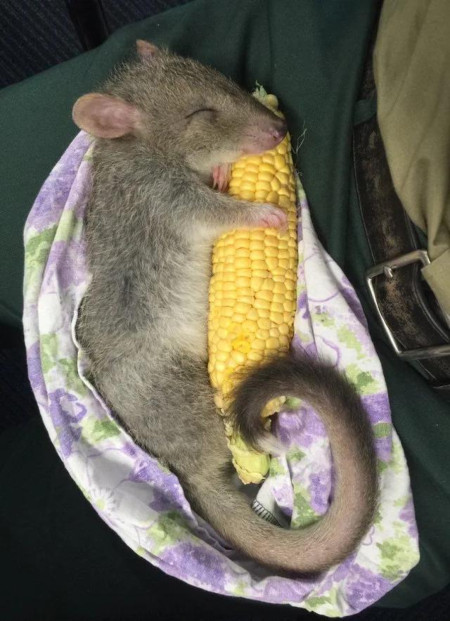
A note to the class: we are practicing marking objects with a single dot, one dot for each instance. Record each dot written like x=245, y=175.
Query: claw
x=221, y=177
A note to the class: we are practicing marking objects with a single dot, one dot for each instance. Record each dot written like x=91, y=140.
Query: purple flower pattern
x=364, y=587
x=204, y=565
x=66, y=412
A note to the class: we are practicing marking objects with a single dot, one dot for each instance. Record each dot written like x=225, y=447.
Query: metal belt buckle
x=387, y=268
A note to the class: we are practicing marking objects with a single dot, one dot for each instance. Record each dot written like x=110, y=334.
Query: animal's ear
x=145, y=49
x=104, y=116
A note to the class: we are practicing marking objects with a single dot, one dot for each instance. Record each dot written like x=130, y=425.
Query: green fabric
x=311, y=54
x=412, y=72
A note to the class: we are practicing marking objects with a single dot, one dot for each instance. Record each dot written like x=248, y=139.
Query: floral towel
x=142, y=501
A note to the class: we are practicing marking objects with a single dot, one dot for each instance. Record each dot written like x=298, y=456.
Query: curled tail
x=331, y=539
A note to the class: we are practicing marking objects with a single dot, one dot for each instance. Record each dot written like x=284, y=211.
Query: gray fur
x=150, y=224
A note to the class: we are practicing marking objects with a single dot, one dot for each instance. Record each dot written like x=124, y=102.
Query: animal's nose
x=265, y=136
x=280, y=131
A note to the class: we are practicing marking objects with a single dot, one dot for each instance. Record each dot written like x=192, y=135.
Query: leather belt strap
x=406, y=306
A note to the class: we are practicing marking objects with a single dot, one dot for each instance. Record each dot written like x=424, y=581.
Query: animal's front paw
x=221, y=177
x=270, y=216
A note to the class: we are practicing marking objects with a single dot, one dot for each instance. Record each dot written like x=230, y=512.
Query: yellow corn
x=253, y=288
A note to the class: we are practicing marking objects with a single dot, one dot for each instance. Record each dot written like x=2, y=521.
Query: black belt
x=408, y=310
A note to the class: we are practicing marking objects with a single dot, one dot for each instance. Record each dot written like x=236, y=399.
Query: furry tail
x=336, y=535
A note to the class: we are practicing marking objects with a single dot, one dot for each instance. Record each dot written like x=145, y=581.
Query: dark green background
x=311, y=54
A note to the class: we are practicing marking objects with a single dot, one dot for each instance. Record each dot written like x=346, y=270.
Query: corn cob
x=253, y=288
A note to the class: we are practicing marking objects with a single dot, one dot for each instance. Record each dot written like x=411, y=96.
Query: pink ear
x=146, y=49
x=104, y=116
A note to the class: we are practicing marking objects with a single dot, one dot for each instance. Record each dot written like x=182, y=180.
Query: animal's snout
x=265, y=136
x=279, y=132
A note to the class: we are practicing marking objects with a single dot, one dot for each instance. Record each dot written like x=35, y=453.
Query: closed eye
x=212, y=110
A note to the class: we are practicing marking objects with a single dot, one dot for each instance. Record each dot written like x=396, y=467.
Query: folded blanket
x=141, y=500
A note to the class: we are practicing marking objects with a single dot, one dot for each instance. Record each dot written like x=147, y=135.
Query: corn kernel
x=264, y=295
x=253, y=314
x=267, y=285
x=282, y=177
x=271, y=101
x=252, y=159
x=249, y=326
x=224, y=345
x=238, y=357
x=254, y=356
x=278, y=318
x=256, y=283
x=271, y=240
x=263, y=185
x=258, y=255
x=272, y=262
x=244, y=281
x=264, y=323
x=247, y=299
x=256, y=245
x=263, y=175
x=272, y=197
x=238, y=317
x=271, y=251
x=251, y=175
x=260, y=195
x=277, y=307
x=239, y=234
x=222, y=356
x=261, y=303
x=280, y=163
x=267, y=167
x=284, y=342
x=234, y=184
x=275, y=185
x=240, y=164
